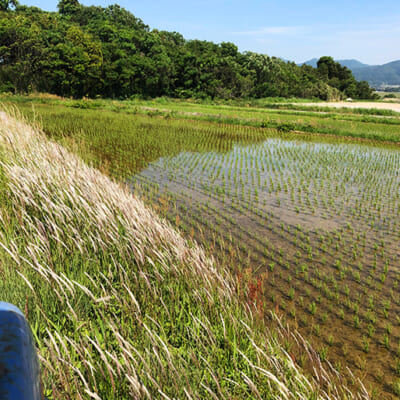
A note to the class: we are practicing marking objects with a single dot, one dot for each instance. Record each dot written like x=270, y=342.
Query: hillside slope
x=379, y=75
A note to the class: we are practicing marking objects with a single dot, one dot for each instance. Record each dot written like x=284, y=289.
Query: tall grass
x=120, y=304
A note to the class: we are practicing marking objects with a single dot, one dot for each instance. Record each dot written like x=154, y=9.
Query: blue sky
x=367, y=30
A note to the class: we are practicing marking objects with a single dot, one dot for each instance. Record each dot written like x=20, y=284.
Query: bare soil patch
x=356, y=104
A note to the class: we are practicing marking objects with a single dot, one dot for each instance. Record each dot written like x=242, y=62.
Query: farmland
x=302, y=204
x=313, y=222
x=117, y=299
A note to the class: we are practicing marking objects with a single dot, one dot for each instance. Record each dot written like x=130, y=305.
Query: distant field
x=301, y=202
x=394, y=106
x=390, y=96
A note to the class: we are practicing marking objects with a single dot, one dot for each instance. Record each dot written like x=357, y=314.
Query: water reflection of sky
x=301, y=160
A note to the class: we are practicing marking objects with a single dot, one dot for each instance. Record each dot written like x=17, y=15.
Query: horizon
x=366, y=31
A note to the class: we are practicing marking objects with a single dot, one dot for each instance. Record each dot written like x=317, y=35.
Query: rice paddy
x=315, y=223
x=308, y=225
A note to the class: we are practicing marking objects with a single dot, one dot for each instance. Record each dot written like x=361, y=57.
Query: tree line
x=108, y=52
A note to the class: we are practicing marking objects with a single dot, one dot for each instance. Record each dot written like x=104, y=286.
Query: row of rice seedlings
x=246, y=183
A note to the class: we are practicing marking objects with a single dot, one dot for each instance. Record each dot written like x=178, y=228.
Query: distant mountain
x=351, y=64
x=377, y=76
x=312, y=62
x=380, y=75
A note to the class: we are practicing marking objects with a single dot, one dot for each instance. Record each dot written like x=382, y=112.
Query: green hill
x=380, y=75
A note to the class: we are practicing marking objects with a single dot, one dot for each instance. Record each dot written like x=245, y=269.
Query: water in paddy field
x=317, y=223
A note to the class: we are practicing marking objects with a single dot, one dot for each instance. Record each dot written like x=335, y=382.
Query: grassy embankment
x=122, y=306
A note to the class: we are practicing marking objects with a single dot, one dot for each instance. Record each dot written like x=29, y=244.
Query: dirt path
x=355, y=104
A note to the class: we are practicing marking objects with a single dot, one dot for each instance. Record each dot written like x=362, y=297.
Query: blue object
x=19, y=366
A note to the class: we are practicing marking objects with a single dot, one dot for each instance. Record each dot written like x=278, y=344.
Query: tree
x=341, y=78
x=364, y=91
x=327, y=67
x=73, y=66
x=68, y=7
x=20, y=48
x=228, y=49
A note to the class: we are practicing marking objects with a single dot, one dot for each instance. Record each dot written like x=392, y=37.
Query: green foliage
x=68, y=7
x=341, y=78
x=95, y=51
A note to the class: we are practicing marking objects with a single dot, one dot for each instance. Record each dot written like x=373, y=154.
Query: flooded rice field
x=312, y=228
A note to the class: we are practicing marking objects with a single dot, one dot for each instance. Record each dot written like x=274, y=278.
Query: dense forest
x=108, y=52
